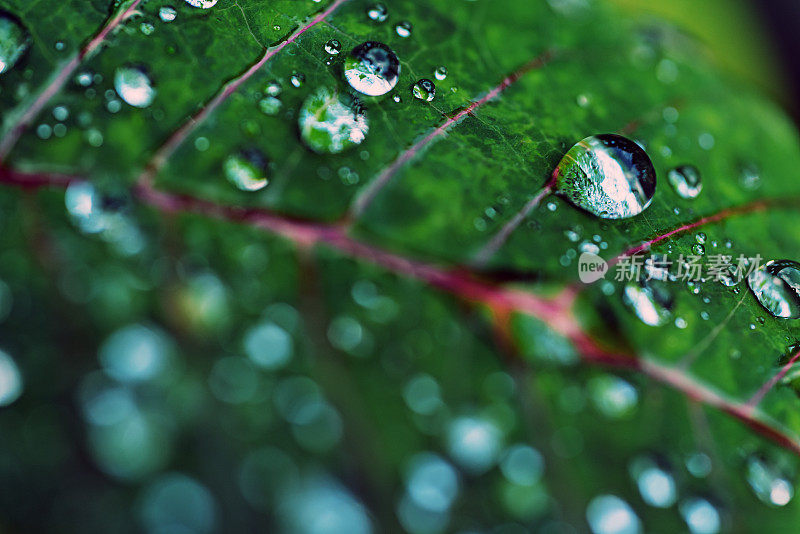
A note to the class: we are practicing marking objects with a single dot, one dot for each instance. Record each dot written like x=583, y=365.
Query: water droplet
x=440, y=73
x=269, y=105
x=246, y=170
x=701, y=238
x=135, y=353
x=608, y=514
x=333, y=47
x=656, y=484
x=685, y=179
x=273, y=88
x=133, y=85
x=331, y=122
x=650, y=301
x=776, y=285
x=431, y=482
x=422, y=395
x=403, y=29
x=297, y=79
x=146, y=28
x=424, y=89
x=750, y=178
x=10, y=380
x=377, y=12
x=372, y=68
x=268, y=345
x=523, y=465
x=614, y=397
x=699, y=465
x=203, y=4
x=397, y=98
x=474, y=442
x=767, y=482
x=700, y=515
x=607, y=175
x=698, y=249
x=167, y=13
x=14, y=41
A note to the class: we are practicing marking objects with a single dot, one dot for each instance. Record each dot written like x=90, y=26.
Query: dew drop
x=14, y=41
x=608, y=514
x=403, y=29
x=649, y=301
x=273, y=88
x=440, y=73
x=607, y=175
x=698, y=249
x=750, y=178
x=167, y=13
x=333, y=47
x=246, y=170
x=270, y=105
x=776, y=285
x=424, y=89
x=397, y=98
x=297, y=79
x=203, y=4
x=372, y=68
x=701, y=516
x=769, y=485
x=685, y=180
x=331, y=122
x=134, y=86
x=377, y=12
x=10, y=380
x=656, y=485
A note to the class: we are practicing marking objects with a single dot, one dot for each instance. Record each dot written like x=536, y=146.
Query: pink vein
x=368, y=194
x=179, y=136
x=61, y=77
x=557, y=312
x=755, y=400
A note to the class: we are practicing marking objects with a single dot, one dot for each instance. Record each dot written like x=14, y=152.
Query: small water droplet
x=246, y=170
x=167, y=13
x=377, y=12
x=372, y=68
x=269, y=105
x=767, y=482
x=133, y=85
x=203, y=4
x=331, y=122
x=701, y=238
x=397, y=98
x=750, y=178
x=701, y=516
x=403, y=29
x=608, y=514
x=656, y=484
x=698, y=249
x=776, y=285
x=607, y=175
x=333, y=47
x=14, y=41
x=440, y=73
x=147, y=28
x=297, y=79
x=685, y=180
x=424, y=89
x=650, y=301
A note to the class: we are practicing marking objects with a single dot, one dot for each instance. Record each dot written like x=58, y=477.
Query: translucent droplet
x=273, y=88
x=372, y=68
x=377, y=12
x=397, y=98
x=608, y=514
x=431, y=482
x=135, y=353
x=701, y=238
x=474, y=442
x=167, y=13
x=440, y=73
x=685, y=179
x=268, y=345
x=523, y=465
x=698, y=249
x=14, y=41
x=147, y=28
x=134, y=86
x=776, y=285
x=614, y=397
x=656, y=484
x=204, y=4
x=297, y=79
x=10, y=380
x=246, y=170
x=701, y=516
x=767, y=482
x=333, y=47
x=650, y=301
x=331, y=122
x=424, y=89
x=403, y=29
x=269, y=105
x=607, y=175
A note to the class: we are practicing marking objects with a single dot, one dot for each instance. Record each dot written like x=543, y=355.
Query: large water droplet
x=685, y=179
x=134, y=86
x=246, y=170
x=14, y=40
x=424, y=89
x=650, y=301
x=607, y=175
x=776, y=285
x=372, y=68
x=204, y=4
x=331, y=122
x=440, y=73
x=333, y=47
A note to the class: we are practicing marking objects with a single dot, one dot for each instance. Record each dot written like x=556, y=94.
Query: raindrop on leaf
x=204, y=4
x=776, y=285
x=331, y=122
x=133, y=85
x=685, y=180
x=14, y=41
x=246, y=170
x=424, y=89
x=372, y=68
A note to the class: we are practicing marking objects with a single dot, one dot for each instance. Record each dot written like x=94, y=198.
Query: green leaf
x=200, y=351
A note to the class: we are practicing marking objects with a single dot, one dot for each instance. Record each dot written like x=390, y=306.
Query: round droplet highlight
x=372, y=68
x=167, y=13
x=607, y=175
x=134, y=86
x=333, y=47
x=424, y=89
x=685, y=180
x=331, y=122
x=203, y=4
x=246, y=170
x=377, y=12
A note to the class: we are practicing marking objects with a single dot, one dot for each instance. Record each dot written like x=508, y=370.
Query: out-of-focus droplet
x=650, y=301
x=14, y=41
x=247, y=170
x=331, y=122
x=377, y=12
x=10, y=380
x=134, y=86
x=403, y=29
x=608, y=514
x=685, y=180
